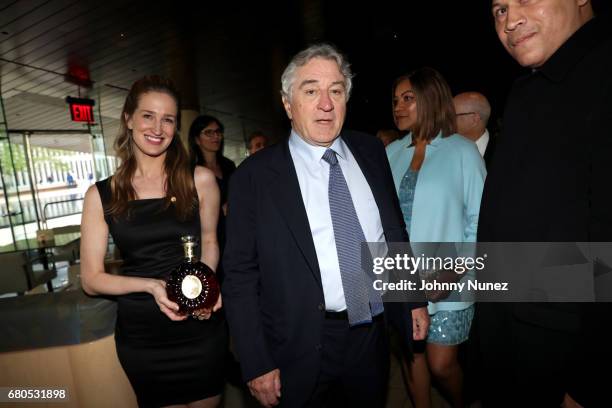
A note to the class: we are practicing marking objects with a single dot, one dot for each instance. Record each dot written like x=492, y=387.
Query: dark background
x=384, y=40
x=227, y=56
x=456, y=38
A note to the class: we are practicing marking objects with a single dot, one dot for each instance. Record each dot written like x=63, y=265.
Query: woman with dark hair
x=439, y=176
x=153, y=199
x=206, y=149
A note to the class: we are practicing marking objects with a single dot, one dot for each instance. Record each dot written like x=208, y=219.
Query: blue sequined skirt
x=450, y=327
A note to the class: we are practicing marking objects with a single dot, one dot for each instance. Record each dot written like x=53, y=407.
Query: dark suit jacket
x=488, y=155
x=273, y=295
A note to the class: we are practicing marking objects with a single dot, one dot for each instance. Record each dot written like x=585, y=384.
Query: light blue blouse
x=447, y=195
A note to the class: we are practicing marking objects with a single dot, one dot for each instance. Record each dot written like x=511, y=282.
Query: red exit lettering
x=81, y=113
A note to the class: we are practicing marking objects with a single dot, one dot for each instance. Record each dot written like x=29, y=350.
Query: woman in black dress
x=153, y=199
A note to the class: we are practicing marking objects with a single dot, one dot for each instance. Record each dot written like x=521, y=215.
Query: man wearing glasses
x=473, y=112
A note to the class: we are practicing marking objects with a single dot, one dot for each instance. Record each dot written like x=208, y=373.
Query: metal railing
x=45, y=217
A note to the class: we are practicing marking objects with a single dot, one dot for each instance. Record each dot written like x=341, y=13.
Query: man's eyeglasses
x=465, y=113
x=212, y=132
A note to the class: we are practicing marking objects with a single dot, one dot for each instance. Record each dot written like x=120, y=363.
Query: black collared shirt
x=550, y=179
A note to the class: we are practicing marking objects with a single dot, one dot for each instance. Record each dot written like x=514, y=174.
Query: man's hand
x=266, y=388
x=420, y=323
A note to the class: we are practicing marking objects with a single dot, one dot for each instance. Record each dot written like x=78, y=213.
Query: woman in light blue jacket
x=439, y=176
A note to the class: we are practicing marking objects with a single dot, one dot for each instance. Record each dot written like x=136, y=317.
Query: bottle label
x=191, y=287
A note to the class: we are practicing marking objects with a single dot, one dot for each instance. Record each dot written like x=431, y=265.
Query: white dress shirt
x=313, y=177
x=482, y=142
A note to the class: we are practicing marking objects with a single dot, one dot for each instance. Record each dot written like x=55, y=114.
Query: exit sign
x=81, y=109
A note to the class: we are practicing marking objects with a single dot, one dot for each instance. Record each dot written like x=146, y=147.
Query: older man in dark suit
x=302, y=312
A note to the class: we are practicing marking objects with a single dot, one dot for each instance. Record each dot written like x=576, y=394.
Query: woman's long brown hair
x=435, y=108
x=180, y=188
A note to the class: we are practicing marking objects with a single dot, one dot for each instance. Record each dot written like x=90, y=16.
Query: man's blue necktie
x=358, y=291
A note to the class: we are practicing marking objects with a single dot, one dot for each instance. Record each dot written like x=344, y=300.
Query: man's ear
x=585, y=8
x=287, y=106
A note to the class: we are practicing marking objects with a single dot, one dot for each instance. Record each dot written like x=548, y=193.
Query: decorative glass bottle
x=192, y=285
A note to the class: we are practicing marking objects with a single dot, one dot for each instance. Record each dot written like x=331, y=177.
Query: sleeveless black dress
x=167, y=362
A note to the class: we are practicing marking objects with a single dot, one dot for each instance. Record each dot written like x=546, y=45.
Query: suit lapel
x=285, y=190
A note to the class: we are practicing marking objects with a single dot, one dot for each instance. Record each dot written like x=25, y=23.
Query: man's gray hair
x=302, y=58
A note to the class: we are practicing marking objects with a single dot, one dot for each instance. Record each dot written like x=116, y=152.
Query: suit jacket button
x=318, y=347
x=321, y=307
